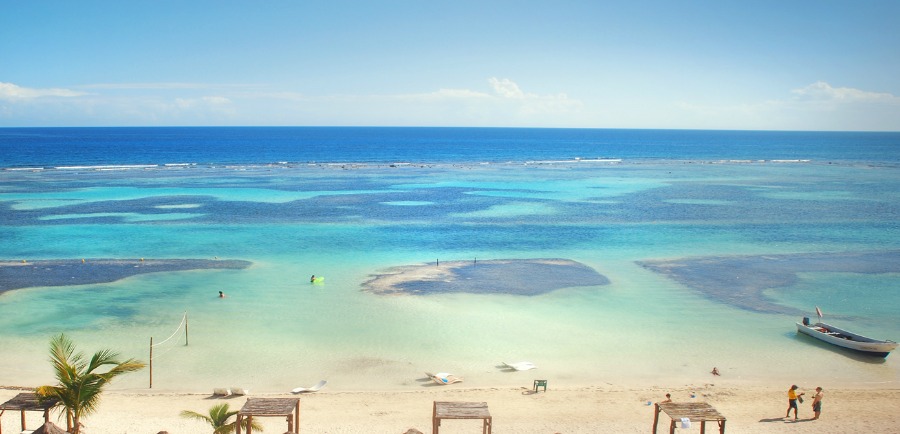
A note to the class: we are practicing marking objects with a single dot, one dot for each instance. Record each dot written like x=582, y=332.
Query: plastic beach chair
x=315, y=388
x=520, y=366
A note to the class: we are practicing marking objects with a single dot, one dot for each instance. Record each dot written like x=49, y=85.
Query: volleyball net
x=161, y=349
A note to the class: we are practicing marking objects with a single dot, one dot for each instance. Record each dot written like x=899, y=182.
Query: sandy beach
x=514, y=410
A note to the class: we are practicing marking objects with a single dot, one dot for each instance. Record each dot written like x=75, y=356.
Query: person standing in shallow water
x=817, y=402
x=792, y=401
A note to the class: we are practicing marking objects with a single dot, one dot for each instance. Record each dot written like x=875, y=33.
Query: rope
x=158, y=356
x=183, y=320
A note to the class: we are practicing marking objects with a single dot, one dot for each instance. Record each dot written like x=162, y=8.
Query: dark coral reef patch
x=63, y=272
x=495, y=276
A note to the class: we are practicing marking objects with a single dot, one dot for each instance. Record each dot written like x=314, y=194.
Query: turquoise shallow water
x=274, y=331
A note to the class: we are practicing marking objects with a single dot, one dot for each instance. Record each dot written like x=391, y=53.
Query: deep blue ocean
x=49, y=147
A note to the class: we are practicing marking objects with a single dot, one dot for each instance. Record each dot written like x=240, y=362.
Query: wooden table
x=695, y=411
x=461, y=410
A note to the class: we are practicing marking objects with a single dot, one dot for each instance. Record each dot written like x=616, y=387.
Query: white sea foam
x=23, y=169
x=109, y=167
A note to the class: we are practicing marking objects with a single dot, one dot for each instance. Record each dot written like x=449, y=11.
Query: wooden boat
x=843, y=338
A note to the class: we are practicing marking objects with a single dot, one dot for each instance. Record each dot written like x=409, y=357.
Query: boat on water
x=843, y=338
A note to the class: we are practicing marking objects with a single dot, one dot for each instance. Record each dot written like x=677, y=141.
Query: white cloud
x=822, y=91
x=506, y=88
x=11, y=91
x=818, y=106
x=501, y=102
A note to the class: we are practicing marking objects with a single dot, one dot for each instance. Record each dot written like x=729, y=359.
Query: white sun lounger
x=315, y=388
x=520, y=366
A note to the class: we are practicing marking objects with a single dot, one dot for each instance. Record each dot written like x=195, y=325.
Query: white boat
x=843, y=338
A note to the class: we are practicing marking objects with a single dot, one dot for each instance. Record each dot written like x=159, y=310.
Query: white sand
x=514, y=410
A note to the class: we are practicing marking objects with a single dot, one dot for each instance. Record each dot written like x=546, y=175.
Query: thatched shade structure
x=289, y=408
x=49, y=428
x=27, y=402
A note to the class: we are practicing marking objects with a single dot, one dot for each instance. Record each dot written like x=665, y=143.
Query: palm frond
x=80, y=387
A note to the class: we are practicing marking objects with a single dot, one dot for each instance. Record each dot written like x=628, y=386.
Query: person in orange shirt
x=792, y=401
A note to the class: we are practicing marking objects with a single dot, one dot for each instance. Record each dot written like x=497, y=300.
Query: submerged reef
x=741, y=280
x=63, y=272
x=495, y=276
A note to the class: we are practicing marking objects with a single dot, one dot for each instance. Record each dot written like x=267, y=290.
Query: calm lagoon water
x=275, y=331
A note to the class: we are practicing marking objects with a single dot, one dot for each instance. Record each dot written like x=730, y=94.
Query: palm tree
x=80, y=385
x=218, y=419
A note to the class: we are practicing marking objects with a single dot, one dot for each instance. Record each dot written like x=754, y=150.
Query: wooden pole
x=151, y=362
x=655, y=417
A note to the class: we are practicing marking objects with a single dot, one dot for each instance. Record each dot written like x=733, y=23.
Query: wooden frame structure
x=695, y=411
x=27, y=402
x=461, y=410
x=289, y=408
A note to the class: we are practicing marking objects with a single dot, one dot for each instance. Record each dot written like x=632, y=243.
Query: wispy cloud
x=458, y=94
x=500, y=102
x=818, y=106
x=822, y=91
x=168, y=86
x=10, y=91
x=506, y=88
x=207, y=101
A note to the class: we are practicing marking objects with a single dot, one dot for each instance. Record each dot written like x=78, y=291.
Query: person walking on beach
x=817, y=402
x=792, y=401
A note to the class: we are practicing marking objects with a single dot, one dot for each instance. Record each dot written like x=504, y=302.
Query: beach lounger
x=445, y=378
x=520, y=366
x=315, y=388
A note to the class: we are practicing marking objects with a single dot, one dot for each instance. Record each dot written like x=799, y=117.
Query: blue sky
x=782, y=65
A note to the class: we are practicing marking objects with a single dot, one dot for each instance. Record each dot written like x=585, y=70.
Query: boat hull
x=845, y=339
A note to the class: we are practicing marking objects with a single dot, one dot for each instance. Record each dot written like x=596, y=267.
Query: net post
x=185, y=330
x=151, y=362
